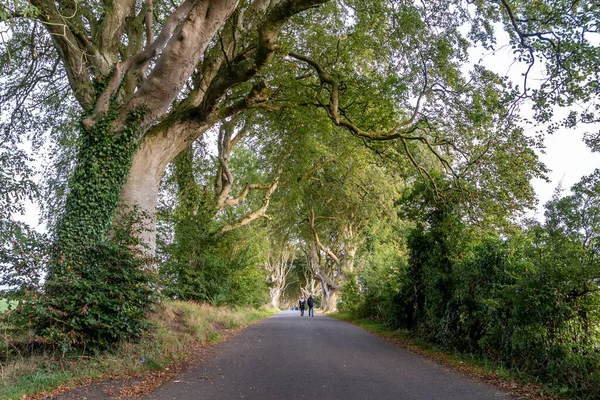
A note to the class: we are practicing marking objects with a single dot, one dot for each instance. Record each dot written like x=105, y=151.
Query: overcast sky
x=569, y=159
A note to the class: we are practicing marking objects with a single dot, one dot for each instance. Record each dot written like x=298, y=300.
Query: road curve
x=287, y=357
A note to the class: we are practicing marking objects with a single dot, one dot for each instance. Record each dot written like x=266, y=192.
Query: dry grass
x=178, y=327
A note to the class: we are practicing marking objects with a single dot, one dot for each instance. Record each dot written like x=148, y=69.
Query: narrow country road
x=288, y=357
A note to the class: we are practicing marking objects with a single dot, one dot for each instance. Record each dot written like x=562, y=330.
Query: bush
x=350, y=298
x=529, y=301
x=102, y=300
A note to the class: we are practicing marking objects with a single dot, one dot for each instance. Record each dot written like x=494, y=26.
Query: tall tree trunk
x=328, y=298
x=275, y=296
x=140, y=189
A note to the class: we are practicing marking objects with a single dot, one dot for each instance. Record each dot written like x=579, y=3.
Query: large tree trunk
x=141, y=187
x=328, y=298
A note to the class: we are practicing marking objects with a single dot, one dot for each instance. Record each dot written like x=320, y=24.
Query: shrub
x=92, y=305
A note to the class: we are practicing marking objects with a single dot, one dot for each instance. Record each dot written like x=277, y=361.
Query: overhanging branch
x=261, y=212
x=402, y=128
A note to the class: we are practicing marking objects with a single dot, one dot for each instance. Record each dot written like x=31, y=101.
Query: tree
x=181, y=70
x=562, y=37
x=148, y=78
x=576, y=217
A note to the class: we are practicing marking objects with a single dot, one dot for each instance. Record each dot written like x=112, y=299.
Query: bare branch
x=72, y=52
x=318, y=270
x=235, y=201
x=261, y=212
x=224, y=177
x=311, y=220
x=148, y=22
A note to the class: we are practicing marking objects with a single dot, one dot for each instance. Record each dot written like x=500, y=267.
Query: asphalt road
x=288, y=357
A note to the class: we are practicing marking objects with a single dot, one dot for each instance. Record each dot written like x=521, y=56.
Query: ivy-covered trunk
x=103, y=163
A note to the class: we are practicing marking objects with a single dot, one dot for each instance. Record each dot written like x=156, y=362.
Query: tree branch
x=112, y=26
x=317, y=269
x=311, y=220
x=261, y=212
x=402, y=128
x=67, y=43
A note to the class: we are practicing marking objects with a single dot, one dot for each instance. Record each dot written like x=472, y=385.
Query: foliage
x=210, y=267
x=562, y=37
x=372, y=290
x=16, y=182
x=201, y=262
x=432, y=259
x=100, y=300
x=99, y=295
x=5, y=305
x=528, y=299
x=21, y=248
x=22, y=257
x=350, y=298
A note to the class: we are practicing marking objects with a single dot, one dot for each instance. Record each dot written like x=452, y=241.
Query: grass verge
x=486, y=371
x=178, y=328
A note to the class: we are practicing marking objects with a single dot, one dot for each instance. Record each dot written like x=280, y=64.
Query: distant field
x=3, y=305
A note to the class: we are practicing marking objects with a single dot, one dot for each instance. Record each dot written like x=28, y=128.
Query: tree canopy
x=207, y=147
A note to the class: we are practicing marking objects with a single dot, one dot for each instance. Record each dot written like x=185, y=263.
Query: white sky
x=569, y=159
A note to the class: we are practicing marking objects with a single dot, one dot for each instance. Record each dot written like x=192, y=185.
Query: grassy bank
x=178, y=328
x=488, y=372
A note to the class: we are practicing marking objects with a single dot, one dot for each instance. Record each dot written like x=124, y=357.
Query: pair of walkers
x=310, y=302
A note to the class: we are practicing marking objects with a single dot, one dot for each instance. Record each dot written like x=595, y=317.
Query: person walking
x=311, y=306
x=302, y=302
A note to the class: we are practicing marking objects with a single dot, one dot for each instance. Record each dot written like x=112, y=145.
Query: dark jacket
x=301, y=304
x=310, y=302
